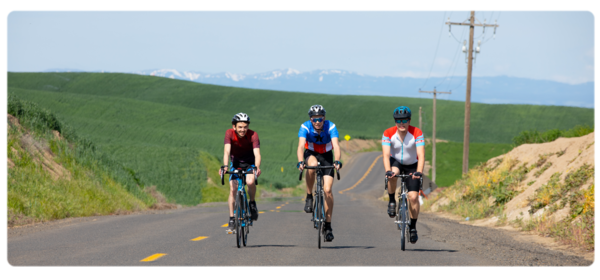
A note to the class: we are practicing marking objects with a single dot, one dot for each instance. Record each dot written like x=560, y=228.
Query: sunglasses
x=402, y=120
x=317, y=119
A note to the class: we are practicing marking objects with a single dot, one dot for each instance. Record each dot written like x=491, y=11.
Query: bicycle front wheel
x=318, y=210
x=239, y=216
x=245, y=225
x=403, y=213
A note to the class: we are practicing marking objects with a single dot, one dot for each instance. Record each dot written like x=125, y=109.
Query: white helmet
x=240, y=117
x=316, y=110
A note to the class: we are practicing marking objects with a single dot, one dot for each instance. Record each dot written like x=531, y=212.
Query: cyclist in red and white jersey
x=403, y=148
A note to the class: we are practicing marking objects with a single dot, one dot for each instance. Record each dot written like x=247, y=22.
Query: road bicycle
x=241, y=209
x=319, y=209
x=402, y=212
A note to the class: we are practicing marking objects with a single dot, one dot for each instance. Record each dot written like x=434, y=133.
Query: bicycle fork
x=399, y=220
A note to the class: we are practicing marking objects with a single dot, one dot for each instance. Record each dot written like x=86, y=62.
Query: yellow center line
x=364, y=176
x=199, y=238
x=225, y=225
x=261, y=212
x=278, y=207
x=153, y=257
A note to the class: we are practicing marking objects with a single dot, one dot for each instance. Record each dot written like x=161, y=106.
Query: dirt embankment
x=562, y=156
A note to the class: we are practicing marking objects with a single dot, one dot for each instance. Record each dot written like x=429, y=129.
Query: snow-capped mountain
x=494, y=90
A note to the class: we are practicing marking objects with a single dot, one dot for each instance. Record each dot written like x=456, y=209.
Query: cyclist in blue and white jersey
x=317, y=139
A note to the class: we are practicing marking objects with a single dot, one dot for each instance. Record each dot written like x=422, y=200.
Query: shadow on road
x=349, y=247
x=258, y=246
x=428, y=250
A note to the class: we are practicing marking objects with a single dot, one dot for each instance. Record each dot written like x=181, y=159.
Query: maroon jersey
x=242, y=148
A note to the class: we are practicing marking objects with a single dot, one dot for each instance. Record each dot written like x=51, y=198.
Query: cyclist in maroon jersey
x=243, y=147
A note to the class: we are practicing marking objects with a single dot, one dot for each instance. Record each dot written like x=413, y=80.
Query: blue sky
x=556, y=46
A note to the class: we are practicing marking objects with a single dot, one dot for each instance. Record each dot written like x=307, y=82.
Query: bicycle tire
x=320, y=213
x=403, y=222
x=318, y=219
x=315, y=205
x=245, y=224
x=238, y=218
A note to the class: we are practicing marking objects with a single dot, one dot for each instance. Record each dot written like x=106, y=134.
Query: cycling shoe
x=308, y=207
x=413, y=236
x=253, y=211
x=392, y=209
x=328, y=235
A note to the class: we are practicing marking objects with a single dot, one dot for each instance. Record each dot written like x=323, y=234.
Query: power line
x=436, y=50
x=453, y=59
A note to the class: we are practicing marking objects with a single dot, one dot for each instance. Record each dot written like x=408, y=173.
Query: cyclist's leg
x=310, y=160
x=413, y=186
x=250, y=182
x=233, y=185
x=327, y=188
x=393, y=182
x=413, y=198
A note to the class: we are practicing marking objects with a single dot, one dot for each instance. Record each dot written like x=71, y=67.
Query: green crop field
x=449, y=158
x=158, y=127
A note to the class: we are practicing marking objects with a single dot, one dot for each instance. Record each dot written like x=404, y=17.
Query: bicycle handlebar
x=402, y=176
x=319, y=167
x=238, y=171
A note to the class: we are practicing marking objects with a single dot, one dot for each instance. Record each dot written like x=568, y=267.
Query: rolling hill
x=163, y=128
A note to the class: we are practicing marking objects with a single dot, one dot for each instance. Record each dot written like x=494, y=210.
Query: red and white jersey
x=403, y=151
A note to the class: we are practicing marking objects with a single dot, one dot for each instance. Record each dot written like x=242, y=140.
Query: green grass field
x=53, y=178
x=159, y=127
x=449, y=158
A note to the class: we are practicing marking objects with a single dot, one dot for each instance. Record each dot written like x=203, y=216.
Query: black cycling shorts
x=326, y=159
x=413, y=185
x=246, y=166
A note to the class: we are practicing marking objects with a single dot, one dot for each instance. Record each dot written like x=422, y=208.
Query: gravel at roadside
x=495, y=244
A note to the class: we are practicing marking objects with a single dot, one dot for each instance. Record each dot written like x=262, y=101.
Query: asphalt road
x=282, y=236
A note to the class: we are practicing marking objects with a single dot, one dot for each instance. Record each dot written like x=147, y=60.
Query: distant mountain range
x=492, y=90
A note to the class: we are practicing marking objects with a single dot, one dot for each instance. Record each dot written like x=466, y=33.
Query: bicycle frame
x=319, y=209
x=243, y=220
x=402, y=211
x=403, y=195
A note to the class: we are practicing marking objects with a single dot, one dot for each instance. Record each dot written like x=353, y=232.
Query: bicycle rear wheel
x=238, y=220
x=402, y=212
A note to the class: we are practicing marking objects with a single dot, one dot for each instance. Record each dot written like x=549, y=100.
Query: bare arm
x=337, y=154
x=257, y=160
x=300, y=153
x=386, y=157
x=421, y=156
x=226, y=154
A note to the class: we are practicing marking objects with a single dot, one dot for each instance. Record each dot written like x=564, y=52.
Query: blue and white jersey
x=318, y=142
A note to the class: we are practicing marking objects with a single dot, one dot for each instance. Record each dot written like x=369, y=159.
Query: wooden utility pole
x=433, y=133
x=471, y=24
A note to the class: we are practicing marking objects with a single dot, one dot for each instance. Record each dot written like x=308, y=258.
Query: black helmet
x=402, y=112
x=240, y=117
x=316, y=110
